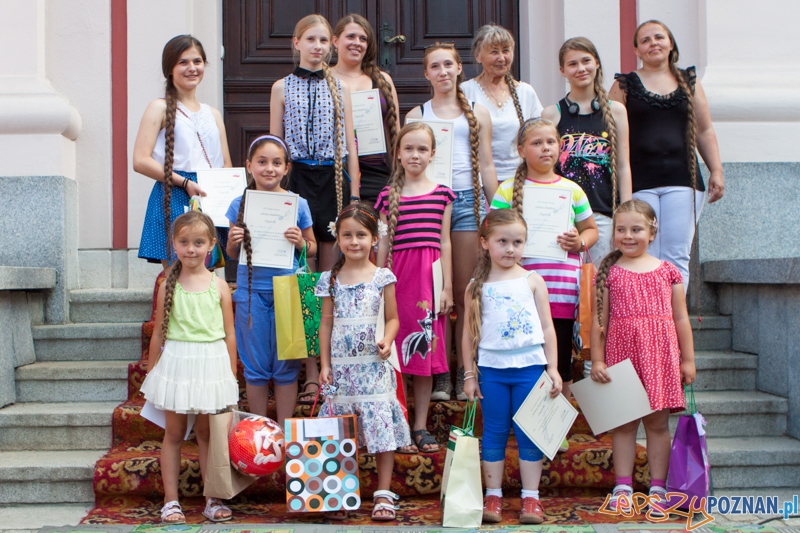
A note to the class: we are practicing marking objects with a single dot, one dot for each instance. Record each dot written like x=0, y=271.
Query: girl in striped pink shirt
x=538, y=143
x=417, y=211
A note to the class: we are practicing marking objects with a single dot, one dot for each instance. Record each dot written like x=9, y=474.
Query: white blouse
x=190, y=154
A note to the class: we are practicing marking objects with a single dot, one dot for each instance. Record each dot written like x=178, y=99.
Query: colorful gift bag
x=462, y=492
x=310, y=304
x=322, y=464
x=689, y=468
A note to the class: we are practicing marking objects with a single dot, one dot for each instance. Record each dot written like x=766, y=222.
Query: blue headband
x=273, y=137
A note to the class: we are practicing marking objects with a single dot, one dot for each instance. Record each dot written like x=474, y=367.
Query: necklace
x=497, y=101
x=346, y=74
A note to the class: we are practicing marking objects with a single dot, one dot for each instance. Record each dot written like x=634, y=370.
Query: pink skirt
x=421, y=339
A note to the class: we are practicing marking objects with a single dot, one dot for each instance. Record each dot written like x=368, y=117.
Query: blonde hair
x=494, y=35
x=309, y=21
x=522, y=170
x=582, y=44
x=495, y=218
x=474, y=125
x=631, y=206
x=398, y=180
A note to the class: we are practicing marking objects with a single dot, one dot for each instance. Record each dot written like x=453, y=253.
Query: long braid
x=169, y=292
x=519, y=184
x=338, y=131
x=247, y=244
x=475, y=313
x=171, y=96
x=474, y=143
x=334, y=272
x=512, y=88
x=611, y=128
x=600, y=283
x=389, y=121
x=396, y=185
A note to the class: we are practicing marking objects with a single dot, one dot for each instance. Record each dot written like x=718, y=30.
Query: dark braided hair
x=172, y=53
x=364, y=215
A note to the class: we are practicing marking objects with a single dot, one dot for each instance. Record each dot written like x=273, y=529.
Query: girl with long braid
x=510, y=102
x=538, y=145
x=267, y=165
x=669, y=122
x=357, y=49
x=311, y=110
x=177, y=135
x=508, y=343
x=474, y=176
x=418, y=212
x=192, y=358
x=594, y=137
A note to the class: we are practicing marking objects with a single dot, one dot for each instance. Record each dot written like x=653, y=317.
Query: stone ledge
x=27, y=278
x=776, y=271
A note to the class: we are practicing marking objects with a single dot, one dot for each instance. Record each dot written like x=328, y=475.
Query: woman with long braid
x=357, y=49
x=594, y=137
x=669, y=122
x=177, y=135
x=474, y=175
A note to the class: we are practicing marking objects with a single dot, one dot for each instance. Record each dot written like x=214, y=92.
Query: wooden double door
x=257, y=35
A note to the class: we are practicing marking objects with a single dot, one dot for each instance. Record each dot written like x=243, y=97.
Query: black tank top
x=657, y=133
x=585, y=156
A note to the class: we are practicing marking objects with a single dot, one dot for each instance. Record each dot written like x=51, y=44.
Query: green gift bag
x=310, y=304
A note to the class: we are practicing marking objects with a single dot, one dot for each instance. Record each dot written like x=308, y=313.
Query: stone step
x=87, y=342
x=717, y=370
x=754, y=462
x=56, y=426
x=47, y=476
x=110, y=305
x=711, y=332
x=738, y=414
x=72, y=381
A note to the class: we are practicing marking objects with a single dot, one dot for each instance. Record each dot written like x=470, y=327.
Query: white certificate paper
x=438, y=285
x=222, y=186
x=368, y=122
x=440, y=170
x=609, y=405
x=547, y=211
x=268, y=215
x=545, y=420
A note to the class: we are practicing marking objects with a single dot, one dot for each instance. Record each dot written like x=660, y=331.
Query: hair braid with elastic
x=600, y=283
x=334, y=272
x=512, y=88
x=247, y=243
x=519, y=184
x=474, y=143
x=389, y=121
x=611, y=128
x=475, y=311
x=169, y=293
x=171, y=96
x=396, y=184
x=338, y=131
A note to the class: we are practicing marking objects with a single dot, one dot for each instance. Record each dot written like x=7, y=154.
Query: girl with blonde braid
x=177, y=136
x=192, y=357
x=594, y=137
x=418, y=213
x=474, y=176
x=508, y=343
x=267, y=165
x=669, y=123
x=311, y=110
x=357, y=50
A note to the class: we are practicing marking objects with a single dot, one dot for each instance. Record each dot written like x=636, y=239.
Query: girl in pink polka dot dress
x=641, y=302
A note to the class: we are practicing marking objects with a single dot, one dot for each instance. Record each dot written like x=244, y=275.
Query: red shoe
x=531, y=512
x=492, y=509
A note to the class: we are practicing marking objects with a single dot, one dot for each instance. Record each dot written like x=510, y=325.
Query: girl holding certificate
x=267, y=165
x=473, y=172
x=507, y=345
x=177, y=135
x=538, y=144
x=357, y=49
x=641, y=303
x=594, y=137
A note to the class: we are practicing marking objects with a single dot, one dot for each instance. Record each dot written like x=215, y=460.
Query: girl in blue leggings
x=510, y=336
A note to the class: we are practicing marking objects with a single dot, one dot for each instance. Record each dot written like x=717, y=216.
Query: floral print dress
x=366, y=384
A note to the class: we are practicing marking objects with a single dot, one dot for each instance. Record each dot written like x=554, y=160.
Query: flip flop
x=306, y=397
x=425, y=439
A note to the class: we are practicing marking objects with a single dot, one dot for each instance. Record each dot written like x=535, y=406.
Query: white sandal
x=383, y=506
x=170, y=509
x=214, y=506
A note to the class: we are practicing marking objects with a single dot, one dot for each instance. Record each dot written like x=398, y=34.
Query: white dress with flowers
x=367, y=385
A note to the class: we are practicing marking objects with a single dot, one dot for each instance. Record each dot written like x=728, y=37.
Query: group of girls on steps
x=581, y=143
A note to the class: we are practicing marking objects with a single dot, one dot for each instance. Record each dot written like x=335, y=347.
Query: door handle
x=387, y=40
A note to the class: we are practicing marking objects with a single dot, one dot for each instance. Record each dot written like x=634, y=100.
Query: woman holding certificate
x=560, y=226
x=472, y=173
x=177, y=135
x=375, y=112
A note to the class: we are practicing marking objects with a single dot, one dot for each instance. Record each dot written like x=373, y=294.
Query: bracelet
x=466, y=372
x=184, y=183
x=583, y=246
x=468, y=377
x=355, y=198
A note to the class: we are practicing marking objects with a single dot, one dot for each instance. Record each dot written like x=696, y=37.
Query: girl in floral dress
x=352, y=358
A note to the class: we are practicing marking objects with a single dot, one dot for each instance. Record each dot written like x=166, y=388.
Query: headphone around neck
x=573, y=108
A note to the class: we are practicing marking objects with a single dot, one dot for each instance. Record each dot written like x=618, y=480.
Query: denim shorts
x=462, y=217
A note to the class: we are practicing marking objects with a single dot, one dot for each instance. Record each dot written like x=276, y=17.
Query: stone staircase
x=51, y=439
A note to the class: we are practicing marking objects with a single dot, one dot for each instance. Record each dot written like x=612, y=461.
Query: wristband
x=355, y=198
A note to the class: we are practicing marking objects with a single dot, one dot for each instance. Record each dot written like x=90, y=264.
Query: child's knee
x=493, y=455
x=531, y=454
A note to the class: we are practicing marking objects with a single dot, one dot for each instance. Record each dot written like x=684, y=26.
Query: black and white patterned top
x=308, y=117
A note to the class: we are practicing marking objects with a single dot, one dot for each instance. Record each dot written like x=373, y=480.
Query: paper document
x=368, y=121
x=547, y=212
x=268, y=215
x=545, y=420
x=222, y=186
x=440, y=169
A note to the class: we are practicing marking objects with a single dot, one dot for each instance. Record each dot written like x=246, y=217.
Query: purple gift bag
x=689, y=469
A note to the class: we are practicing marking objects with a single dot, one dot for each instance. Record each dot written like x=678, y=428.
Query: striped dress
x=562, y=278
x=417, y=244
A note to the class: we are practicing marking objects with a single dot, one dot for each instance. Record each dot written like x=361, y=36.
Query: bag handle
x=586, y=254
x=691, y=404
x=469, y=416
x=302, y=259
